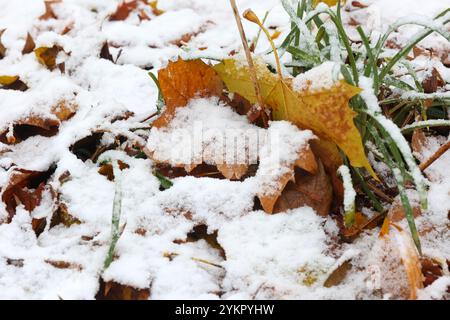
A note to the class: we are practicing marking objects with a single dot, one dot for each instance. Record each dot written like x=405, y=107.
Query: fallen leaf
x=62, y=216
x=394, y=263
x=432, y=82
x=233, y=171
x=30, y=126
x=2, y=47
x=338, y=274
x=12, y=83
x=47, y=56
x=123, y=10
x=49, y=14
x=59, y=264
x=418, y=142
x=325, y=112
x=115, y=291
x=107, y=171
x=143, y=16
x=64, y=110
x=361, y=223
x=104, y=52
x=431, y=270
x=38, y=225
x=183, y=80
x=29, y=45
x=24, y=187
x=200, y=232
x=155, y=10
x=68, y=28
x=313, y=190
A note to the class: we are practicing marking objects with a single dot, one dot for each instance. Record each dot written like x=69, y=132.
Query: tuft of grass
x=115, y=220
x=312, y=40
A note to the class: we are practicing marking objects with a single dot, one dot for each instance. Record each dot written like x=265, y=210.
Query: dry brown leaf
x=104, y=52
x=143, y=16
x=115, y=291
x=338, y=274
x=313, y=190
x=434, y=81
x=233, y=171
x=62, y=216
x=107, y=171
x=418, y=141
x=49, y=14
x=59, y=264
x=47, y=56
x=29, y=44
x=431, y=270
x=38, y=225
x=30, y=126
x=183, y=80
x=2, y=47
x=307, y=161
x=123, y=10
x=24, y=187
x=361, y=223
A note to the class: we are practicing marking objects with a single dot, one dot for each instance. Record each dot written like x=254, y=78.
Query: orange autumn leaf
x=397, y=262
x=123, y=10
x=326, y=112
x=183, y=80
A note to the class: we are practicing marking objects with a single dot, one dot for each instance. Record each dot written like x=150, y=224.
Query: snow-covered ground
x=284, y=256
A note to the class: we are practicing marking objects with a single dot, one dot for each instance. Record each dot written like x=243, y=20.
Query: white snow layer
x=284, y=256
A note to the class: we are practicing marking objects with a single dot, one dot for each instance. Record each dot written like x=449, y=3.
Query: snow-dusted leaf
x=183, y=80
x=324, y=111
x=29, y=44
x=47, y=56
x=49, y=13
x=115, y=291
x=123, y=10
x=313, y=190
x=394, y=264
x=29, y=126
x=25, y=187
x=276, y=200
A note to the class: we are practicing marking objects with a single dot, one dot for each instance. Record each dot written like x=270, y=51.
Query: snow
x=349, y=192
x=321, y=77
x=284, y=256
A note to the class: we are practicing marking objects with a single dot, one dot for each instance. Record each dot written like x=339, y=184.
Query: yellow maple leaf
x=328, y=2
x=326, y=112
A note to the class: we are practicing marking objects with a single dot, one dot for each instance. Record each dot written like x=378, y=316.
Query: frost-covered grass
x=318, y=35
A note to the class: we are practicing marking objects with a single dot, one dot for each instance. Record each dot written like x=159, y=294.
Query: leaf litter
x=269, y=229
